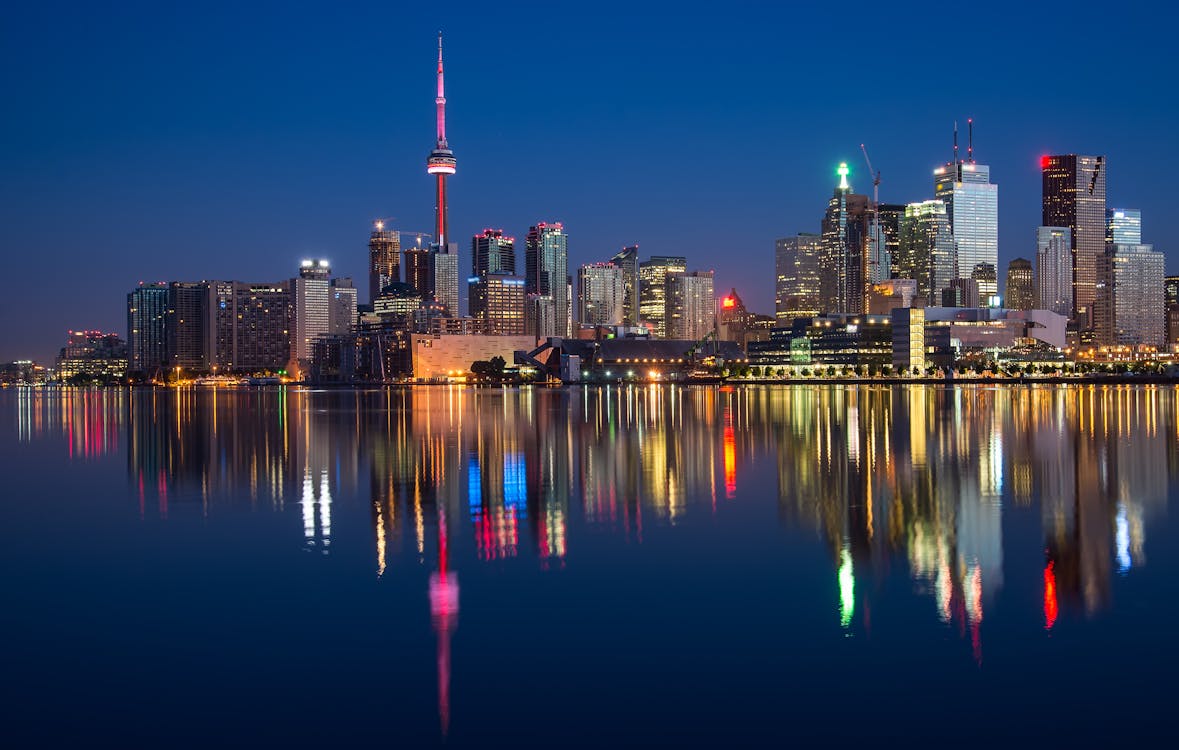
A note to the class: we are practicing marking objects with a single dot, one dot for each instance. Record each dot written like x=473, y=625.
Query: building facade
x=444, y=272
x=312, y=294
x=1074, y=197
x=653, y=275
x=926, y=253
x=546, y=272
x=492, y=252
x=1123, y=226
x=1020, y=289
x=1129, y=309
x=843, y=258
x=147, y=313
x=601, y=294
x=497, y=304
x=1171, y=300
x=691, y=305
x=628, y=260
x=384, y=259
x=972, y=207
x=1054, y=270
x=796, y=273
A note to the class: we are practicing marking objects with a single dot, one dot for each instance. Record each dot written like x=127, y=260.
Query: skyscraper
x=492, y=252
x=1019, y=291
x=418, y=273
x=546, y=271
x=497, y=304
x=444, y=271
x=653, y=290
x=342, y=306
x=601, y=294
x=926, y=253
x=796, y=270
x=691, y=305
x=1123, y=226
x=1171, y=300
x=1074, y=197
x=147, y=312
x=843, y=262
x=187, y=326
x=312, y=309
x=628, y=260
x=972, y=206
x=384, y=255
x=1129, y=308
x=1054, y=269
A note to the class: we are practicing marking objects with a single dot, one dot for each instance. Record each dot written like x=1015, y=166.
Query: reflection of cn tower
x=441, y=161
x=444, y=608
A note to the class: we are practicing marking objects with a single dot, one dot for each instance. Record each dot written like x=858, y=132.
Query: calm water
x=637, y=565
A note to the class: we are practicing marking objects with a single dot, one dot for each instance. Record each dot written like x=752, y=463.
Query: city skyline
x=254, y=190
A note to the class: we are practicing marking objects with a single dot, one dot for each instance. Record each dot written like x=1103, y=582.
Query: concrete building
x=691, y=305
x=92, y=354
x=601, y=295
x=908, y=339
x=796, y=272
x=187, y=326
x=444, y=271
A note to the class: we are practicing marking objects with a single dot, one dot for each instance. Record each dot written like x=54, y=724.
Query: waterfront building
x=926, y=252
x=1019, y=292
x=653, y=275
x=691, y=305
x=601, y=294
x=972, y=207
x=187, y=326
x=261, y=318
x=92, y=354
x=546, y=277
x=1123, y=226
x=439, y=357
x=908, y=339
x=1074, y=197
x=628, y=260
x=1171, y=299
x=312, y=313
x=493, y=253
x=796, y=271
x=842, y=259
x=147, y=313
x=889, y=295
x=384, y=259
x=497, y=304
x=342, y=306
x=1129, y=308
x=1054, y=269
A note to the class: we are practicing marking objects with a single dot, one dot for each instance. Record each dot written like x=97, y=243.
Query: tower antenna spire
x=955, y=141
x=441, y=161
x=970, y=139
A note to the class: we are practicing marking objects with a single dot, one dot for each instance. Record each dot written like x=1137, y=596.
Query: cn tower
x=441, y=161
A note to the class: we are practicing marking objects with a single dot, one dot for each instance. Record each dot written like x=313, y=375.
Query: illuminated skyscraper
x=972, y=206
x=384, y=256
x=691, y=305
x=546, y=272
x=1129, y=308
x=312, y=309
x=1019, y=292
x=1123, y=226
x=147, y=311
x=1171, y=299
x=628, y=260
x=497, y=304
x=843, y=261
x=417, y=271
x=492, y=252
x=342, y=306
x=441, y=161
x=187, y=326
x=601, y=293
x=926, y=252
x=444, y=270
x=1054, y=270
x=1074, y=197
x=796, y=265
x=653, y=290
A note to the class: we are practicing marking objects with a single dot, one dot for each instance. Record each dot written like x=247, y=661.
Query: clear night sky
x=146, y=142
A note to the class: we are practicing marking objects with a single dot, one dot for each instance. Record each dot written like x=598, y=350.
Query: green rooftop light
x=843, y=172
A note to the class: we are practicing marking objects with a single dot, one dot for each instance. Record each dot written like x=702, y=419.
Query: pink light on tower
x=441, y=161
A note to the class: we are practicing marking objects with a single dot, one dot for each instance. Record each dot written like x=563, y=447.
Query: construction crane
x=386, y=220
x=874, y=254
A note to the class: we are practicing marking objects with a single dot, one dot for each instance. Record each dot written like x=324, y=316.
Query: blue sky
x=150, y=141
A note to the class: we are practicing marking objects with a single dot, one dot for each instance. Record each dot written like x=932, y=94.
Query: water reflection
x=908, y=480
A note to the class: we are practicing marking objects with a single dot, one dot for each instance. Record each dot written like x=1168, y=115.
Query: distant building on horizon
x=796, y=272
x=384, y=259
x=546, y=272
x=653, y=275
x=628, y=260
x=1054, y=270
x=1019, y=291
x=1073, y=196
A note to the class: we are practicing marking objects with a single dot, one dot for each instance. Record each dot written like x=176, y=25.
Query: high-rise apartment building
x=384, y=259
x=601, y=294
x=926, y=253
x=1054, y=270
x=492, y=252
x=628, y=260
x=540, y=315
x=653, y=290
x=972, y=206
x=546, y=275
x=418, y=273
x=259, y=330
x=843, y=261
x=1171, y=300
x=187, y=326
x=1019, y=291
x=497, y=304
x=796, y=270
x=444, y=272
x=691, y=305
x=147, y=312
x=312, y=294
x=342, y=306
x=1074, y=197
x=1129, y=306
x=1123, y=226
